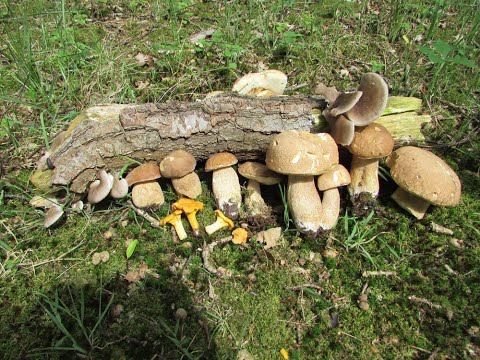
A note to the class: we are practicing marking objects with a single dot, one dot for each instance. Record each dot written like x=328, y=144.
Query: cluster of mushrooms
x=309, y=160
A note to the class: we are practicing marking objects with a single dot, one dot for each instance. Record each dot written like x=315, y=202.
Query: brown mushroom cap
x=259, y=172
x=145, y=172
x=337, y=176
x=373, y=101
x=177, y=164
x=344, y=102
x=425, y=175
x=372, y=142
x=220, y=161
x=301, y=153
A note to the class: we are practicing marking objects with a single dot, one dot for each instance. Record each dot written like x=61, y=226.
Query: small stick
x=439, y=229
x=206, y=252
x=378, y=273
x=301, y=287
x=153, y=222
x=346, y=334
x=424, y=301
x=450, y=270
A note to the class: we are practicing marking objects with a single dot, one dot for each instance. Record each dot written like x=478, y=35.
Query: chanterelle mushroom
x=175, y=219
x=225, y=183
x=221, y=222
x=190, y=208
x=302, y=155
x=423, y=179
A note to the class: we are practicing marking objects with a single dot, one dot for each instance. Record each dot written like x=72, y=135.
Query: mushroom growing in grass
x=146, y=190
x=179, y=165
x=175, y=219
x=265, y=83
x=119, y=188
x=370, y=144
x=257, y=174
x=423, y=179
x=221, y=222
x=100, y=188
x=53, y=214
x=329, y=183
x=225, y=183
x=302, y=155
x=190, y=208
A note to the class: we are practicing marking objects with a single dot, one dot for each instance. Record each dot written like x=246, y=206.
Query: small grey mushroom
x=53, y=214
x=99, y=189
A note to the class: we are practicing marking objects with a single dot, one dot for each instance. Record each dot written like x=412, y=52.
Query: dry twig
x=153, y=222
x=378, y=273
x=424, y=301
x=207, y=251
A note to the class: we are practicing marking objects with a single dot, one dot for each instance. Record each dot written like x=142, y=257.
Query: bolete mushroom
x=146, y=191
x=100, y=188
x=423, y=179
x=221, y=222
x=175, y=219
x=265, y=83
x=179, y=165
x=302, y=155
x=225, y=183
x=190, y=208
x=257, y=174
x=370, y=144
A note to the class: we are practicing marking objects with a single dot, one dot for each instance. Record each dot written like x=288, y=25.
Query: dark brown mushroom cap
x=372, y=142
x=220, y=161
x=259, y=172
x=145, y=172
x=301, y=153
x=342, y=130
x=425, y=175
x=177, y=164
x=373, y=101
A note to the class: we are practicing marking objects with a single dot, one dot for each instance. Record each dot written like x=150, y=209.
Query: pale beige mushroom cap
x=145, y=172
x=372, y=142
x=301, y=153
x=272, y=80
x=177, y=164
x=53, y=214
x=220, y=161
x=425, y=175
x=259, y=172
x=337, y=176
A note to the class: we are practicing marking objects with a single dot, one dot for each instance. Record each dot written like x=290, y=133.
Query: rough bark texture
x=102, y=137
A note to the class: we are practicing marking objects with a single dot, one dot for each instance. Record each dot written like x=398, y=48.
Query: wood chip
x=439, y=229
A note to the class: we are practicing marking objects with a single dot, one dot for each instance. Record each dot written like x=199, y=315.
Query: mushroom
x=423, y=179
x=99, y=189
x=240, y=236
x=119, y=188
x=302, y=155
x=179, y=165
x=77, y=206
x=53, y=214
x=225, y=183
x=265, y=83
x=328, y=183
x=190, y=208
x=146, y=190
x=175, y=219
x=221, y=222
x=370, y=144
x=257, y=174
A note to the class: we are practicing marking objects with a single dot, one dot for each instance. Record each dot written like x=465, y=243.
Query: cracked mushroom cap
x=337, y=176
x=259, y=172
x=254, y=83
x=372, y=142
x=220, y=161
x=177, y=164
x=373, y=101
x=425, y=175
x=301, y=153
x=145, y=172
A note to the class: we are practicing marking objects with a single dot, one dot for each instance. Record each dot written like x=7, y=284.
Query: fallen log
x=110, y=136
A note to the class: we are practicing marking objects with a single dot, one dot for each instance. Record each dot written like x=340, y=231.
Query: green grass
x=57, y=58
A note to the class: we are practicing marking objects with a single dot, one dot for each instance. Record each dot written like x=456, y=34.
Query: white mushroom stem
x=217, y=225
x=413, y=204
x=364, y=174
x=226, y=189
x=304, y=203
x=331, y=208
x=254, y=201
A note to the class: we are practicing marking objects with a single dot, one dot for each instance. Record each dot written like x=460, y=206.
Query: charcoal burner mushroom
x=179, y=165
x=423, y=179
x=225, y=183
x=146, y=190
x=370, y=144
x=100, y=188
x=302, y=155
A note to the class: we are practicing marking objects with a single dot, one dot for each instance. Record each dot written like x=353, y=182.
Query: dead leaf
x=142, y=270
x=269, y=237
x=144, y=60
x=141, y=85
x=132, y=276
x=195, y=38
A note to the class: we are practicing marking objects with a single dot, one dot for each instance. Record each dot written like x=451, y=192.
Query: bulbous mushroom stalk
x=221, y=222
x=146, y=190
x=364, y=173
x=225, y=183
x=190, y=208
x=99, y=189
x=175, y=219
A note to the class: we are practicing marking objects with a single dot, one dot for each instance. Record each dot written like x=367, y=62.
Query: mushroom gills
x=411, y=203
